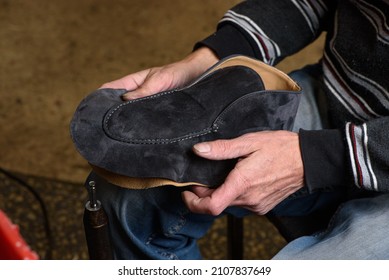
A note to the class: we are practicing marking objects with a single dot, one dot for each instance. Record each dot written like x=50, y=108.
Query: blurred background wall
x=55, y=52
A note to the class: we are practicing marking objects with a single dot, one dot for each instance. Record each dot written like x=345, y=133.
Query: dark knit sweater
x=355, y=65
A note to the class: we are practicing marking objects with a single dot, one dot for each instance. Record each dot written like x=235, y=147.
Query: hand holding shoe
x=147, y=142
x=158, y=79
x=270, y=169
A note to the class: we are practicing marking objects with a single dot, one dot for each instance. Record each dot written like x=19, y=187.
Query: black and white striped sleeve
x=368, y=148
x=268, y=30
x=357, y=156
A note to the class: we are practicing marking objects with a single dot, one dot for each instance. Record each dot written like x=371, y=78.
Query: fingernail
x=202, y=148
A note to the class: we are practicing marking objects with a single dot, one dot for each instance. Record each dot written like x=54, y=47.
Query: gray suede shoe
x=148, y=142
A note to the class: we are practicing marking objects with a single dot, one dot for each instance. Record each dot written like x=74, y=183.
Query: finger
x=140, y=92
x=193, y=196
x=155, y=82
x=226, y=149
x=201, y=191
x=218, y=199
x=130, y=82
x=198, y=204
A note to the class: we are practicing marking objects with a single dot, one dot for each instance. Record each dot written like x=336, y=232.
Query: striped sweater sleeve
x=263, y=29
x=358, y=88
x=356, y=150
x=357, y=156
x=368, y=148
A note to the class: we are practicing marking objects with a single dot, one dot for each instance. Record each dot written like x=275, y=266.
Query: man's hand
x=157, y=79
x=269, y=169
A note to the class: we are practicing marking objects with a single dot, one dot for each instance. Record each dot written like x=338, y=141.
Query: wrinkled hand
x=269, y=169
x=157, y=79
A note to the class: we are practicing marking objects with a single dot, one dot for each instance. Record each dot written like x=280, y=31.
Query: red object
x=12, y=244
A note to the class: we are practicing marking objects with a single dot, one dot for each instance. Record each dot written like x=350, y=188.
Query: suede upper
x=152, y=137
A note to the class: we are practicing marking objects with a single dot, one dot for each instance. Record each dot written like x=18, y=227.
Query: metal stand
x=96, y=227
x=235, y=237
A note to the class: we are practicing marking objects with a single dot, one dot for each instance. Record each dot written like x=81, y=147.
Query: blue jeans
x=357, y=231
x=155, y=223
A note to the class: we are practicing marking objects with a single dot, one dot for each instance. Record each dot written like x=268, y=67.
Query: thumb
x=225, y=149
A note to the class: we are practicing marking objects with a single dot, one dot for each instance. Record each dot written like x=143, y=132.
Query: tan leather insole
x=138, y=183
x=273, y=79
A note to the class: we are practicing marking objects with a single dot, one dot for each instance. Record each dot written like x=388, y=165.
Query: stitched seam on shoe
x=154, y=141
x=203, y=132
x=133, y=101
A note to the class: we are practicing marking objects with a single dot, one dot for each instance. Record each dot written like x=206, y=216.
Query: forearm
x=199, y=61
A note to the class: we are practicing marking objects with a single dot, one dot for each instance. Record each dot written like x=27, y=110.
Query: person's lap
x=358, y=230
x=152, y=223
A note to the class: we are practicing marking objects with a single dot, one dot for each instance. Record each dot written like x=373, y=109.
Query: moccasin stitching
x=133, y=101
x=168, y=141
